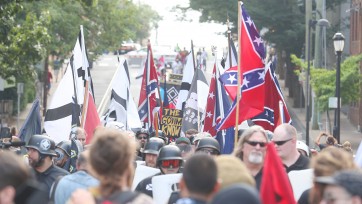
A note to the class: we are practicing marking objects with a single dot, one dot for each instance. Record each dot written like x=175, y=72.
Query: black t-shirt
x=49, y=176
x=303, y=199
x=145, y=186
x=301, y=164
x=258, y=178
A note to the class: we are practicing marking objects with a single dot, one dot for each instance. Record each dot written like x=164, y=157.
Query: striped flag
x=65, y=108
x=149, y=101
x=188, y=75
x=121, y=107
x=252, y=72
x=275, y=109
x=194, y=109
x=217, y=104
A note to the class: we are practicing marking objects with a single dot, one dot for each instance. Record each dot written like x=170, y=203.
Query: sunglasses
x=170, y=163
x=209, y=151
x=280, y=143
x=254, y=143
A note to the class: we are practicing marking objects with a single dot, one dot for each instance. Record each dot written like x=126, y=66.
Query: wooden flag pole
x=155, y=123
x=281, y=112
x=239, y=78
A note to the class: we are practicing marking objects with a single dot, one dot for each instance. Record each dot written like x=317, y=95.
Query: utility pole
x=308, y=18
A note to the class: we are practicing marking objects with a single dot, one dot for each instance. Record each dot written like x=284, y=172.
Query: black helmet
x=209, y=142
x=160, y=135
x=142, y=131
x=169, y=152
x=44, y=144
x=65, y=146
x=153, y=145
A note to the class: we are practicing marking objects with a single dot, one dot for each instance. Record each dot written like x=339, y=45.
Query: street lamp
x=338, y=43
x=311, y=24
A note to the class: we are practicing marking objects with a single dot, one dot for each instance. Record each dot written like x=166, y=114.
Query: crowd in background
x=103, y=170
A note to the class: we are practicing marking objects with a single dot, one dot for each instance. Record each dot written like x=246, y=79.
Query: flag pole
x=195, y=68
x=85, y=101
x=239, y=77
x=281, y=112
x=147, y=66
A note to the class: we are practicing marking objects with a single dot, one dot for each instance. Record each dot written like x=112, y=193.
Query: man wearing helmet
x=142, y=136
x=208, y=145
x=169, y=161
x=63, y=151
x=41, y=149
x=150, y=152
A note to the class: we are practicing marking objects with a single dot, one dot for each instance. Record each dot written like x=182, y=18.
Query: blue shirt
x=68, y=184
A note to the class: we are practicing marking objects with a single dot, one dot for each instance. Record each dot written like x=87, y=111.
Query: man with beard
x=251, y=150
x=41, y=149
x=285, y=140
x=142, y=136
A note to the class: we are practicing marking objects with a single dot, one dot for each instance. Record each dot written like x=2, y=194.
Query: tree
x=21, y=42
x=323, y=81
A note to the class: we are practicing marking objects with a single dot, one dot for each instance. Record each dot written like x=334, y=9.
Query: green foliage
x=323, y=81
x=31, y=30
x=22, y=42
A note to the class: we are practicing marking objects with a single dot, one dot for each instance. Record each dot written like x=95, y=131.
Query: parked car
x=127, y=47
x=138, y=57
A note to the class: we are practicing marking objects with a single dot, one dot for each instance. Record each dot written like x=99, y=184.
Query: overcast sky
x=172, y=32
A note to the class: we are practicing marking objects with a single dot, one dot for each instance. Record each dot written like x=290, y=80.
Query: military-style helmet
x=65, y=146
x=142, y=131
x=153, y=146
x=160, y=135
x=43, y=144
x=209, y=142
x=169, y=152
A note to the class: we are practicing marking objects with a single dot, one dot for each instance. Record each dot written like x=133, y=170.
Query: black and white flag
x=65, y=107
x=122, y=107
x=196, y=102
x=188, y=75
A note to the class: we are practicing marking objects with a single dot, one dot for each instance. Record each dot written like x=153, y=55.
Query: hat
x=232, y=170
x=235, y=194
x=350, y=180
x=201, y=135
x=183, y=140
x=301, y=145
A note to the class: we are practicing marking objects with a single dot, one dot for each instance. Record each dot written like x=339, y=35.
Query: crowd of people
x=103, y=170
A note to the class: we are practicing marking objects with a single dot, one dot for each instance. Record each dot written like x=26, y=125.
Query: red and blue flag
x=217, y=104
x=149, y=102
x=275, y=109
x=252, y=72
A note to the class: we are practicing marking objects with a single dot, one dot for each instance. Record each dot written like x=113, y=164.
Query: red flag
x=275, y=186
x=92, y=119
x=209, y=121
x=272, y=115
x=149, y=103
x=252, y=55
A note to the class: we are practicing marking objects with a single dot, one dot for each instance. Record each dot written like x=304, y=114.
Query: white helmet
x=301, y=145
x=116, y=125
